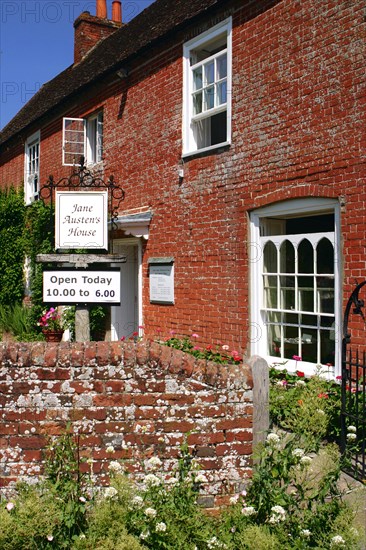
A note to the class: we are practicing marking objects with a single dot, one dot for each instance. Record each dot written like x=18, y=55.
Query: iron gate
x=353, y=413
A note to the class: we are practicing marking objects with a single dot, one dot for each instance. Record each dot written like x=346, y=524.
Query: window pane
x=287, y=257
x=287, y=292
x=274, y=340
x=306, y=293
x=209, y=98
x=197, y=78
x=309, y=350
x=327, y=347
x=325, y=257
x=291, y=318
x=309, y=320
x=291, y=341
x=306, y=257
x=270, y=291
x=222, y=93
x=209, y=73
x=270, y=258
x=221, y=67
x=325, y=294
x=197, y=103
x=218, y=128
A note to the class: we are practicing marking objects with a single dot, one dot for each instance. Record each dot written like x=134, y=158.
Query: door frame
x=132, y=241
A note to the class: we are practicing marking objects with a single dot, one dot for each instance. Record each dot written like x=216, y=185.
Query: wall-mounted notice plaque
x=161, y=280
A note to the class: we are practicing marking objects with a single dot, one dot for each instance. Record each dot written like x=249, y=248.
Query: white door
x=124, y=318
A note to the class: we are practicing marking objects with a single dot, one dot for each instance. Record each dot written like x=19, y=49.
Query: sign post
x=83, y=202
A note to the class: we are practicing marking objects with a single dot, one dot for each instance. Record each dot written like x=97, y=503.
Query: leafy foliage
x=12, y=246
x=307, y=406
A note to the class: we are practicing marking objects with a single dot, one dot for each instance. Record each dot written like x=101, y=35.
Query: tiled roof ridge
x=157, y=20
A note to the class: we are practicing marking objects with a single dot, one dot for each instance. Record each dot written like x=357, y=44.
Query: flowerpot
x=53, y=335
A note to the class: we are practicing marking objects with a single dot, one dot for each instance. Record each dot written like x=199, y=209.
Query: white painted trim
x=295, y=208
x=189, y=146
x=133, y=241
x=29, y=197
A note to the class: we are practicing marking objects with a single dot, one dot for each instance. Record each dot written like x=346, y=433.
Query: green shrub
x=307, y=406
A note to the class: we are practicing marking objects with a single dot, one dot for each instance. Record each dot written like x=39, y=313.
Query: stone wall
x=143, y=398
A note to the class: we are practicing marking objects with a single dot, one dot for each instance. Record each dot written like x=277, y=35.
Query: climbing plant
x=12, y=246
x=25, y=231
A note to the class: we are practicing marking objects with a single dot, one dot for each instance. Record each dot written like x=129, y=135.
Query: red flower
x=300, y=373
x=323, y=395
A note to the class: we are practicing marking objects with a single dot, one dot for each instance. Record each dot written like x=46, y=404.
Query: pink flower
x=196, y=348
x=225, y=347
x=123, y=338
x=194, y=335
x=338, y=377
x=172, y=332
x=296, y=358
x=10, y=506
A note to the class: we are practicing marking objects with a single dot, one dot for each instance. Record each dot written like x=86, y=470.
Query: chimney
x=117, y=11
x=101, y=11
x=89, y=31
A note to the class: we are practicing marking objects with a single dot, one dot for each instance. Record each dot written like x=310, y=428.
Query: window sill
x=213, y=149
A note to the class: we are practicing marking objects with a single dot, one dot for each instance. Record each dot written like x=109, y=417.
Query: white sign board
x=81, y=219
x=82, y=286
x=162, y=283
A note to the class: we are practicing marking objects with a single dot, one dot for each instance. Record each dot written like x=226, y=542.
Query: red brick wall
x=141, y=398
x=298, y=130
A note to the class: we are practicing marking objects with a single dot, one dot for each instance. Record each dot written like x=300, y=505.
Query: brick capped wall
x=141, y=398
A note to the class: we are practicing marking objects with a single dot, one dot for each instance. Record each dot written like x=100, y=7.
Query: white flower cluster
x=215, y=543
x=273, y=439
x=115, y=467
x=305, y=533
x=298, y=453
x=160, y=527
x=351, y=435
x=337, y=540
x=200, y=478
x=151, y=480
x=306, y=461
x=150, y=512
x=278, y=514
x=248, y=511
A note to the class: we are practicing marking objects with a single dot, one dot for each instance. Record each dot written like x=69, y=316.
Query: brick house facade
x=236, y=129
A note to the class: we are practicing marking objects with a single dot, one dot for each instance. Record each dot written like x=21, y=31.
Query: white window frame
x=32, y=146
x=92, y=139
x=189, y=119
x=258, y=337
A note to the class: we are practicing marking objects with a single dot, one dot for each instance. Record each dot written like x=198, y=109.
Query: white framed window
x=31, y=167
x=82, y=137
x=295, y=294
x=207, y=89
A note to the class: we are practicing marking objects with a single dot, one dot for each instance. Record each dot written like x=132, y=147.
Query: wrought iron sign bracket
x=82, y=178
